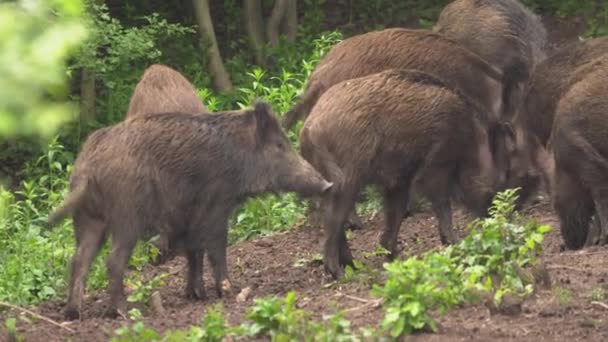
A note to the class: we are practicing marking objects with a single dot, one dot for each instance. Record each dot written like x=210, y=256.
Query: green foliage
x=36, y=38
x=143, y=290
x=483, y=261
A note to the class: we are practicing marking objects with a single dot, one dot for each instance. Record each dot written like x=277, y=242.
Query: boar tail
x=72, y=201
x=302, y=108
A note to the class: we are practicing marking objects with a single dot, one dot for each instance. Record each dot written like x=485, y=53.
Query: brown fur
x=162, y=89
x=183, y=171
x=504, y=33
x=399, y=48
x=580, y=146
x=546, y=86
x=388, y=129
x=500, y=31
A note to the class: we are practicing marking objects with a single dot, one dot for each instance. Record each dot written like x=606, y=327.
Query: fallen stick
x=564, y=267
x=603, y=305
x=46, y=319
x=373, y=303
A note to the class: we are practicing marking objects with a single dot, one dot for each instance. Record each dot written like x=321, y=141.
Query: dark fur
x=549, y=80
x=500, y=31
x=579, y=142
x=162, y=89
x=183, y=171
x=388, y=129
x=372, y=52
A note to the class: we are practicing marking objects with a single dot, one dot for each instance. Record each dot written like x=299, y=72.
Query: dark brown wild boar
x=423, y=50
x=546, y=85
x=503, y=32
x=579, y=143
x=399, y=48
x=390, y=129
x=187, y=172
x=162, y=89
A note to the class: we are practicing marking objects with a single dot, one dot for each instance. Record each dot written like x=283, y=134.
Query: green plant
x=598, y=294
x=142, y=291
x=564, y=296
x=483, y=261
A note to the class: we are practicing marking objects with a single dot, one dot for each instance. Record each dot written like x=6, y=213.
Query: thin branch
x=600, y=304
x=46, y=319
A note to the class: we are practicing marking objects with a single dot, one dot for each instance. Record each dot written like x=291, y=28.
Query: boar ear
x=264, y=119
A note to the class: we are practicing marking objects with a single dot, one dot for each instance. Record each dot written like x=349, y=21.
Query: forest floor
x=568, y=310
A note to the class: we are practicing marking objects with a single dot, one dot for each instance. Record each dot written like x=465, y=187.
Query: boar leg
x=122, y=248
x=395, y=210
x=195, y=256
x=436, y=186
x=601, y=209
x=337, y=204
x=593, y=236
x=90, y=236
x=574, y=207
x=353, y=221
x=216, y=251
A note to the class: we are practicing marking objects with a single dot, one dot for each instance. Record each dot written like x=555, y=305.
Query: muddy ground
x=573, y=308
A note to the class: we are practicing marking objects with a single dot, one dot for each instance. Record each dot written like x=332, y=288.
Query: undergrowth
x=416, y=289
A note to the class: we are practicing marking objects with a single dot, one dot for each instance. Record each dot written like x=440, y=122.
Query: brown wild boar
x=579, y=144
x=391, y=129
x=187, y=172
x=162, y=89
x=399, y=48
x=546, y=85
x=503, y=32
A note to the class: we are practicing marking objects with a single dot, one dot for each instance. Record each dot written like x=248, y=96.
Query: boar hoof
x=71, y=314
x=448, y=239
x=196, y=293
x=335, y=270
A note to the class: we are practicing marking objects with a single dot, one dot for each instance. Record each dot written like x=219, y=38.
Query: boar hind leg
x=90, y=236
x=337, y=205
x=122, y=247
x=395, y=210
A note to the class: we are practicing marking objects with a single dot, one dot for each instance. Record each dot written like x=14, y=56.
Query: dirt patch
x=274, y=265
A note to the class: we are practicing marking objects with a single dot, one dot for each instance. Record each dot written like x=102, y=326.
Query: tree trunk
x=274, y=22
x=87, y=96
x=221, y=80
x=291, y=21
x=255, y=28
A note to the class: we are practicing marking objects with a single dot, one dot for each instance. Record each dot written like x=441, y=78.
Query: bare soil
x=570, y=309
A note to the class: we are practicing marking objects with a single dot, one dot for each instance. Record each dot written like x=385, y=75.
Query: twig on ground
x=553, y=267
x=358, y=299
x=600, y=304
x=39, y=316
x=373, y=303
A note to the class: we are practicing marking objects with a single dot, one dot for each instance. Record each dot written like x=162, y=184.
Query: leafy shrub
x=483, y=261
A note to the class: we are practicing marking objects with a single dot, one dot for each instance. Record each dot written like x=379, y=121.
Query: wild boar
x=399, y=48
x=502, y=32
x=546, y=85
x=183, y=171
x=392, y=129
x=162, y=89
x=424, y=50
x=579, y=144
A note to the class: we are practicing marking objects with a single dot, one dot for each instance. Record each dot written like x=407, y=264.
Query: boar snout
x=305, y=179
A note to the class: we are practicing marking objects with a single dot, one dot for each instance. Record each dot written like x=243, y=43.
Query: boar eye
x=280, y=145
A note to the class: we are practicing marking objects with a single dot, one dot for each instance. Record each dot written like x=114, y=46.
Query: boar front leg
x=600, y=198
x=337, y=204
